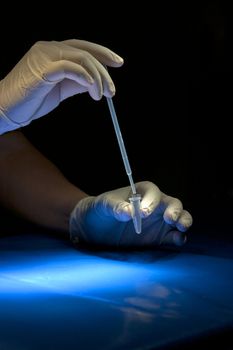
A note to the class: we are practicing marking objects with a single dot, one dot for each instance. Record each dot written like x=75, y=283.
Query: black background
x=173, y=99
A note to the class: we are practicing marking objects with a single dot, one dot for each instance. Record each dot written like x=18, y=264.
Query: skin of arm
x=34, y=187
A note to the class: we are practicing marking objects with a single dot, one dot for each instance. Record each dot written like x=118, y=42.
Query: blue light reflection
x=143, y=299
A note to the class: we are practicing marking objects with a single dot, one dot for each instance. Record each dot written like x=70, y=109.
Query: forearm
x=32, y=186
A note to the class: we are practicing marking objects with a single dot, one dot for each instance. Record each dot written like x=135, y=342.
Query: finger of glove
x=114, y=205
x=107, y=83
x=59, y=70
x=96, y=89
x=174, y=238
x=103, y=84
x=70, y=88
x=101, y=53
x=173, y=209
x=184, y=221
x=102, y=80
x=151, y=197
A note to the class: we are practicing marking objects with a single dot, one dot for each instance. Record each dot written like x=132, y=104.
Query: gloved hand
x=106, y=219
x=51, y=72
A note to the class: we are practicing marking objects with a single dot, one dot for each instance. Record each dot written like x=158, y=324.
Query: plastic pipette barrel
x=135, y=199
x=121, y=143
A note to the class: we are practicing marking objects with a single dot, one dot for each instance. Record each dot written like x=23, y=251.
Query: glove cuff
x=6, y=124
x=77, y=220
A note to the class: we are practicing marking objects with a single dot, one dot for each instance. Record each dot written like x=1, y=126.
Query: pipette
x=136, y=198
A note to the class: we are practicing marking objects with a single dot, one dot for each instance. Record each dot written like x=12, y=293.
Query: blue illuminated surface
x=55, y=297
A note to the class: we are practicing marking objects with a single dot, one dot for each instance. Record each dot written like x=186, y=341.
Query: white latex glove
x=51, y=72
x=106, y=219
